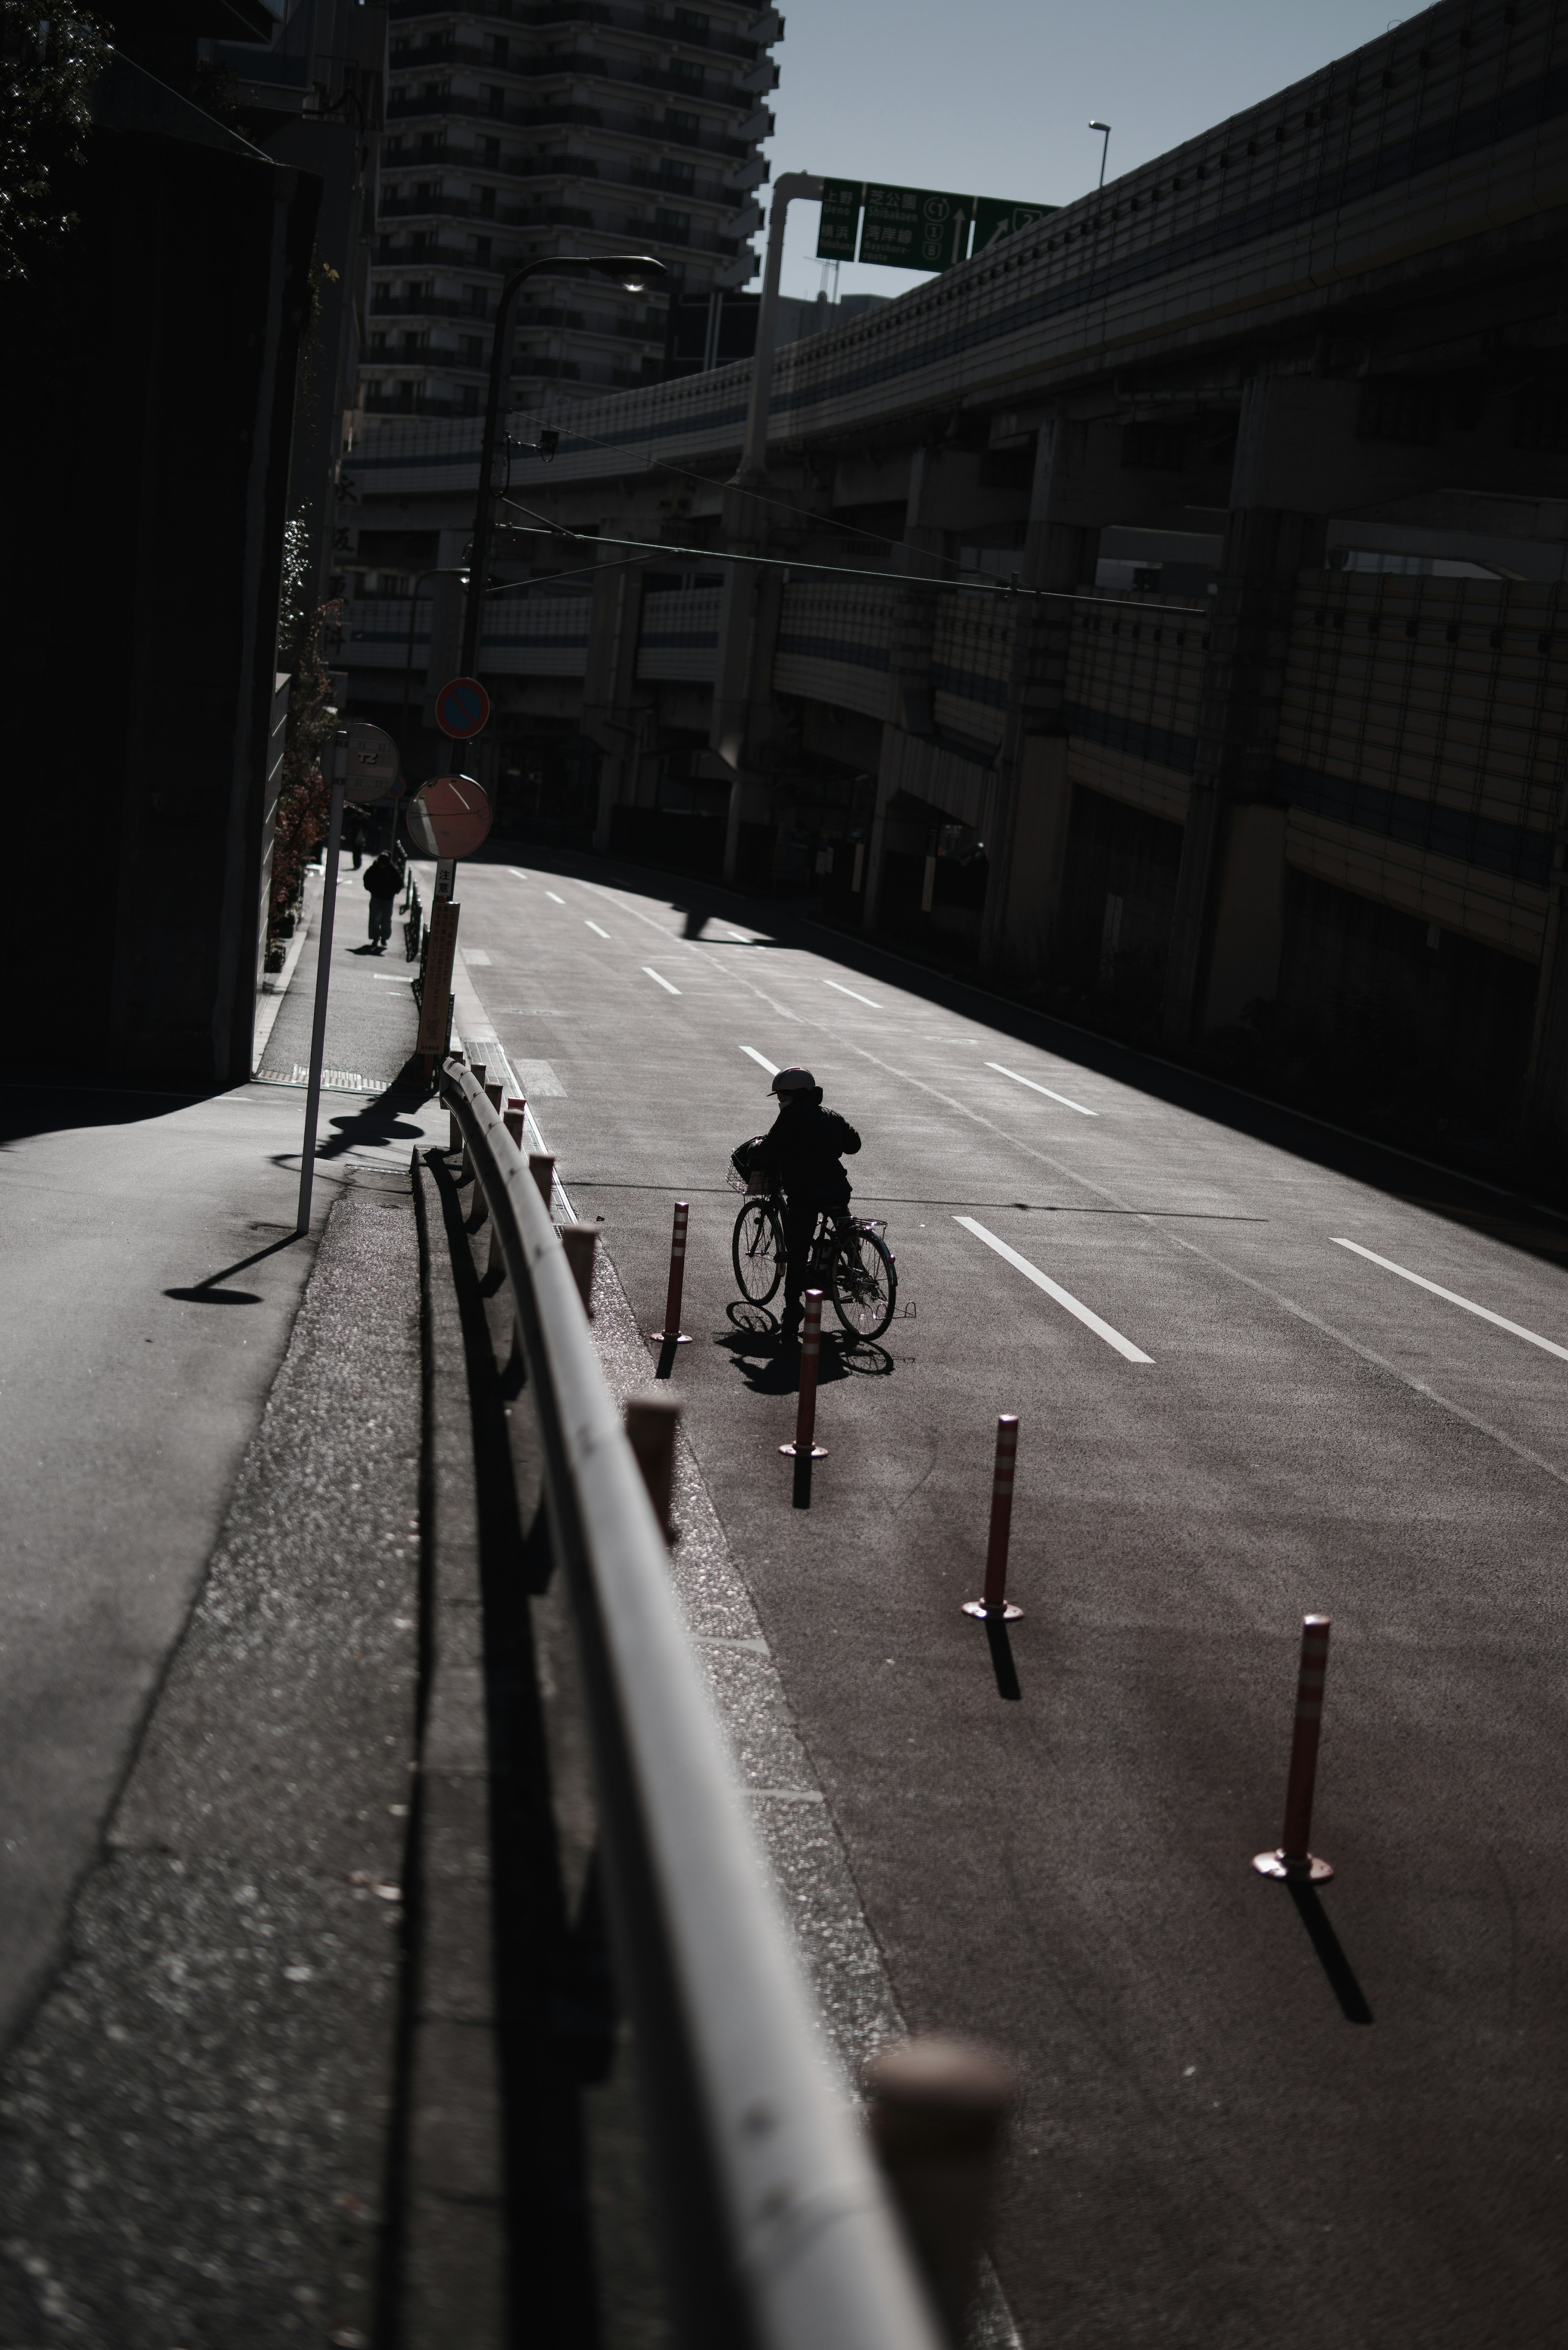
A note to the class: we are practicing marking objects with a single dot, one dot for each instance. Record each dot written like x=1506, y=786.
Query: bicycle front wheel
x=865, y=1285
x=757, y=1250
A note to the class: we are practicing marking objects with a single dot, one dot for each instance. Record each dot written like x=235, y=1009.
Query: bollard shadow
x=1001, y=1664
x=800, y=1482
x=668, y=1351
x=1353, y=2001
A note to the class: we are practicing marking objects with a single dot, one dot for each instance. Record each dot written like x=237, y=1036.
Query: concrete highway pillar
x=612, y=720
x=742, y=677
x=909, y=709
x=1228, y=927
x=1028, y=849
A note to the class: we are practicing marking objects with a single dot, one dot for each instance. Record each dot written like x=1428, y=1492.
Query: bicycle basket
x=735, y=1180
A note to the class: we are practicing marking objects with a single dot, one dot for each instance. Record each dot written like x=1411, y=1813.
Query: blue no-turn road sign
x=463, y=709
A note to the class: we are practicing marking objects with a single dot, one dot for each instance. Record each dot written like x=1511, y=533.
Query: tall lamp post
x=1105, y=129
x=636, y=271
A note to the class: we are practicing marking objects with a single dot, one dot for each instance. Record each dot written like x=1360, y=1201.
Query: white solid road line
x=593, y=926
x=550, y=894
x=1517, y=1329
x=771, y=1066
x=1041, y=1089
x=659, y=976
x=850, y=990
x=1053, y=1289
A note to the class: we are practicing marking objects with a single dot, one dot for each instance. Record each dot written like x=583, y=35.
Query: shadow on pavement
x=30, y=1106
x=381, y=1120
x=210, y=1292
x=1352, y=2003
x=1001, y=1663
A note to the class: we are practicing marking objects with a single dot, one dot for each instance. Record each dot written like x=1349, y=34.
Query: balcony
x=565, y=12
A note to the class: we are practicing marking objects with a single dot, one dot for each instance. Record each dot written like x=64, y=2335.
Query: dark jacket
x=804, y=1147
x=383, y=879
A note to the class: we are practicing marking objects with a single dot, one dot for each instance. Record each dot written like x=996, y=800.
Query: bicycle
x=850, y=1262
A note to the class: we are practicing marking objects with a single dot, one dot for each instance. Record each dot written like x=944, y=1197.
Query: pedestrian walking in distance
x=383, y=881
x=357, y=836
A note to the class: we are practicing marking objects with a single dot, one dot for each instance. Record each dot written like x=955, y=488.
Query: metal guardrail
x=779, y=2228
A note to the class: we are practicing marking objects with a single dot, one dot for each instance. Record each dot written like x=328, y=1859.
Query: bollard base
x=818, y=1451
x=669, y=1337
x=1000, y=1611
x=1310, y=1871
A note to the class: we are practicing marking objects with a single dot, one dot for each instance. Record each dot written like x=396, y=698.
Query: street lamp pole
x=1105, y=129
x=636, y=271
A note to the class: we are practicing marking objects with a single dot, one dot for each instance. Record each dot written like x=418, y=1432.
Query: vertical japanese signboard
x=915, y=228
x=993, y=220
x=840, y=220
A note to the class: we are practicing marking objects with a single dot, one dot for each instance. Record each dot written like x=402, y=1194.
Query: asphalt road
x=1249, y=2117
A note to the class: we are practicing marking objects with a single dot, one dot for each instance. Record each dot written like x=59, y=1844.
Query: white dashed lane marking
x=771, y=1066
x=1090, y=1320
x=595, y=928
x=1502, y=1322
x=550, y=894
x=1064, y=1101
x=855, y=991
x=659, y=975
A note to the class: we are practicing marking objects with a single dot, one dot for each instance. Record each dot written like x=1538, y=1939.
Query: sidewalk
x=152, y=1277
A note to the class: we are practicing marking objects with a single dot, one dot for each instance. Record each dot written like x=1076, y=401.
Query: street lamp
x=636, y=271
x=1105, y=146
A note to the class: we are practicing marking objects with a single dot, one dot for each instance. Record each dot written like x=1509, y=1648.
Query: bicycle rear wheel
x=865, y=1284
x=757, y=1250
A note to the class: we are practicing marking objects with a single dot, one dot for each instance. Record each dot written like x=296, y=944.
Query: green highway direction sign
x=993, y=220
x=913, y=228
x=840, y=220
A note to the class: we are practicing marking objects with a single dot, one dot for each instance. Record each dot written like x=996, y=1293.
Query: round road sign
x=463, y=709
x=370, y=764
x=449, y=817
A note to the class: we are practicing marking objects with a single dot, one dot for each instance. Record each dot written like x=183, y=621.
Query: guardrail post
x=672, y=1333
x=542, y=1167
x=481, y=1208
x=1293, y=1859
x=938, y=2112
x=651, y=1421
x=579, y=1242
x=465, y=1172
x=516, y=1118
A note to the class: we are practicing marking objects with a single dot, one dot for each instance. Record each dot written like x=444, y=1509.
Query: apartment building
x=518, y=130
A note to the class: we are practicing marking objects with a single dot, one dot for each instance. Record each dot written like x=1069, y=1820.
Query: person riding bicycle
x=802, y=1151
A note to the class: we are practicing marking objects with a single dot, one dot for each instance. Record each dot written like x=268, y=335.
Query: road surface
x=1259, y=1370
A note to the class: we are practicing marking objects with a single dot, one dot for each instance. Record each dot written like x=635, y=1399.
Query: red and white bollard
x=994, y=1602
x=1292, y=1860
x=805, y=1447
x=672, y=1334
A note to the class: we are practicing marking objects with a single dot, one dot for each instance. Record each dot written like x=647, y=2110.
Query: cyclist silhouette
x=803, y=1151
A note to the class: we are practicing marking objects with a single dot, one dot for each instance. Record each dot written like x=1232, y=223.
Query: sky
x=992, y=98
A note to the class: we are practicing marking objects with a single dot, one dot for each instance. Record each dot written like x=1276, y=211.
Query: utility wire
x=1010, y=587
x=707, y=481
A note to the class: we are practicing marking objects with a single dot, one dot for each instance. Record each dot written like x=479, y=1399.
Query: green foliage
x=48, y=65
x=304, y=802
